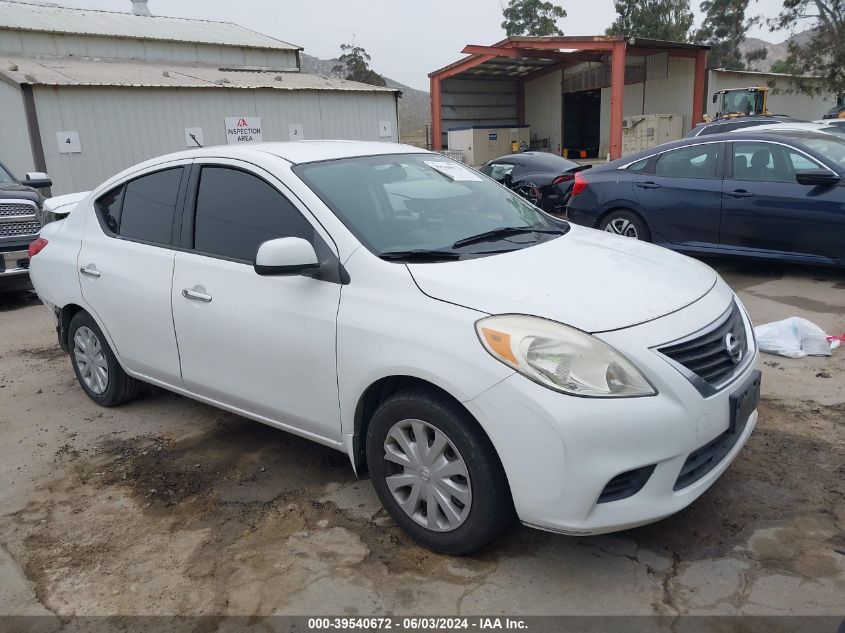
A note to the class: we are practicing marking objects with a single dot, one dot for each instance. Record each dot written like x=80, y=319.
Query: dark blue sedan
x=759, y=194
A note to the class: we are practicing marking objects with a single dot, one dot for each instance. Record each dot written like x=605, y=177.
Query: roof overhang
x=88, y=72
x=525, y=58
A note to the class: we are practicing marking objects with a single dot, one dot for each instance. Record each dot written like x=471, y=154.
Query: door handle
x=739, y=193
x=195, y=295
x=90, y=271
x=648, y=185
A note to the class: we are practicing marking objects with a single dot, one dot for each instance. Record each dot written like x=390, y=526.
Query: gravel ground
x=167, y=506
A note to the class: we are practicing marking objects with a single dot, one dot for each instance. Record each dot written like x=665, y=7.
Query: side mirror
x=816, y=177
x=285, y=256
x=37, y=180
x=715, y=98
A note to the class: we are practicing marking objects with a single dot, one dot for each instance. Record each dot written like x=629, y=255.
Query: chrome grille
x=16, y=208
x=12, y=229
x=707, y=355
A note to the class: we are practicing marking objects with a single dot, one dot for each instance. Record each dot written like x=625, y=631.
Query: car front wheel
x=95, y=365
x=437, y=473
x=626, y=224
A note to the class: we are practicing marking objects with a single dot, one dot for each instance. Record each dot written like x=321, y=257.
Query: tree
x=653, y=19
x=355, y=63
x=532, y=17
x=820, y=52
x=782, y=66
x=724, y=29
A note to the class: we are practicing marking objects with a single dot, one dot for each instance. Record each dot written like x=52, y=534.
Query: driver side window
x=237, y=211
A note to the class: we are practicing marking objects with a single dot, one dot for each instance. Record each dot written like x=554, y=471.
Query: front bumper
x=14, y=263
x=560, y=452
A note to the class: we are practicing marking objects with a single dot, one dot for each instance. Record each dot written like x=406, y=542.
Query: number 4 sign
x=69, y=142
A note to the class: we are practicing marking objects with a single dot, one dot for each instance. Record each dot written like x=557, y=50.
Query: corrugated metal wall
x=800, y=106
x=15, y=149
x=29, y=43
x=466, y=102
x=670, y=95
x=544, y=107
x=119, y=127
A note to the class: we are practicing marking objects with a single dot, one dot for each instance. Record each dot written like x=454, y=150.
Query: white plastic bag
x=785, y=337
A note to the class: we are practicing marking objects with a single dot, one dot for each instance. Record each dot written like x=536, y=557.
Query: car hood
x=588, y=279
x=16, y=191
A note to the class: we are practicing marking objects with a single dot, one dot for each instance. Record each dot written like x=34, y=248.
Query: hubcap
x=90, y=360
x=427, y=475
x=622, y=226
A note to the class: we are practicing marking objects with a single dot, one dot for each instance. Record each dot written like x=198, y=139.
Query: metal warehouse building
x=86, y=93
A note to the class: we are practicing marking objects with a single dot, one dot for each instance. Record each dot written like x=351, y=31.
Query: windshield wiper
x=419, y=255
x=503, y=231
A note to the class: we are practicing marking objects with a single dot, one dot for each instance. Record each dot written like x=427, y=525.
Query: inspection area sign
x=243, y=129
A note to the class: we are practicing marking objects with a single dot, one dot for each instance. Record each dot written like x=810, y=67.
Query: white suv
x=481, y=359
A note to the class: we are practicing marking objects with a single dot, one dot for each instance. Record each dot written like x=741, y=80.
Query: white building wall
x=800, y=106
x=15, y=148
x=34, y=43
x=544, y=107
x=669, y=95
x=120, y=127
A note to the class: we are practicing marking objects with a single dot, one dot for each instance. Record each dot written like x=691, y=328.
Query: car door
x=764, y=207
x=263, y=344
x=680, y=193
x=126, y=269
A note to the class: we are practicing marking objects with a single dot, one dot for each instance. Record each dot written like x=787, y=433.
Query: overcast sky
x=407, y=39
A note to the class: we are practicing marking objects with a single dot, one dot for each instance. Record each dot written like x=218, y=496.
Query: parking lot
x=167, y=506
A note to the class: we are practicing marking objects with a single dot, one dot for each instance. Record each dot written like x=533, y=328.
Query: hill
x=776, y=52
x=414, y=106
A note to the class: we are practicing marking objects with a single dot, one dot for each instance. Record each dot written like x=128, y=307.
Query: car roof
x=789, y=136
x=774, y=118
x=786, y=125
x=533, y=155
x=295, y=152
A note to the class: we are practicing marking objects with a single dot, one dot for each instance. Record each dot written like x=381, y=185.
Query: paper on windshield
x=452, y=170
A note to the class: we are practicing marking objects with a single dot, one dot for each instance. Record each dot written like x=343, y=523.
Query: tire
x=89, y=355
x=482, y=508
x=625, y=223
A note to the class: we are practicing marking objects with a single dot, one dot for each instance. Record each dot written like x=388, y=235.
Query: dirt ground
x=167, y=506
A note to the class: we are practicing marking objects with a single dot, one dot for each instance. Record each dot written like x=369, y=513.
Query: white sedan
x=480, y=359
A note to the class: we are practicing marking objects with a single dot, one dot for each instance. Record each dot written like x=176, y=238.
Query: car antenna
x=194, y=139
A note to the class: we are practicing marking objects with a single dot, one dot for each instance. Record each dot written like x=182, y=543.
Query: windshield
x=743, y=102
x=425, y=202
x=829, y=146
x=5, y=177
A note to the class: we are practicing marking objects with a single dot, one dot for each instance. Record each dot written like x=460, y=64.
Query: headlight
x=560, y=357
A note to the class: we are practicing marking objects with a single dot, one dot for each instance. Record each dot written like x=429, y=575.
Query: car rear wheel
x=626, y=224
x=95, y=365
x=437, y=473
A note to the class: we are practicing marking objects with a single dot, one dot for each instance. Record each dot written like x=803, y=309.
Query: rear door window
x=149, y=206
x=143, y=209
x=695, y=161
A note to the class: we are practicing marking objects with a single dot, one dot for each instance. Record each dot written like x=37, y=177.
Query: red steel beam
x=617, y=89
x=461, y=65
x=499, y=51
x=436, y=115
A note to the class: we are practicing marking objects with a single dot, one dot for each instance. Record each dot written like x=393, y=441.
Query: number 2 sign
x=69, y=142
